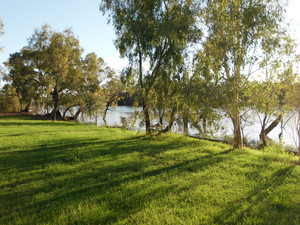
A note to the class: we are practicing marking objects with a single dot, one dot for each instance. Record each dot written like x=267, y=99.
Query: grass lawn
x=65, y=173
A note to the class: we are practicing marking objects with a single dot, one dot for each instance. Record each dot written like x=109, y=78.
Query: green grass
x=65, y=173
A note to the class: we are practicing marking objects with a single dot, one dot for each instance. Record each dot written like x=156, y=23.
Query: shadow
x=105, y=180
x=74, y=169
x=236, y=212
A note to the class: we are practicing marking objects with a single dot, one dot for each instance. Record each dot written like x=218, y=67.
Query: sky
x=22, y=17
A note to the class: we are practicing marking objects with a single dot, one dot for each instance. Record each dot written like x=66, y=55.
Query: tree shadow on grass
x=106, y=179
x=238, y=211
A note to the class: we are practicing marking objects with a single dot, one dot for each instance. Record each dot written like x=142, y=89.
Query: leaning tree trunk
x=264, y=132
x=77, y=114
x=172, y=120
x=65, y=112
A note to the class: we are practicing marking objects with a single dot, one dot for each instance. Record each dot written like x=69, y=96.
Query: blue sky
x=21, y=17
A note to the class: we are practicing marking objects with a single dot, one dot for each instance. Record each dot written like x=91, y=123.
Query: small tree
x=23, y=77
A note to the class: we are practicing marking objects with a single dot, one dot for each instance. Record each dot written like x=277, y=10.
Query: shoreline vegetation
x=70, y=173
x=48, y=117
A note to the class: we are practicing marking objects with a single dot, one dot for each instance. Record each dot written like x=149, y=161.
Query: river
x=251, y=131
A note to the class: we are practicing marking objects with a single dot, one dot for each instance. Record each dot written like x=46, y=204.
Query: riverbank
x=67, y=173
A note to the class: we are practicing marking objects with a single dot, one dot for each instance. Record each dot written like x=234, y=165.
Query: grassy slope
x=63, y=173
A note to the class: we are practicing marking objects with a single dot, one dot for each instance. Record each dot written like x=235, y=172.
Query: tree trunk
x=264, y=132
x=77, y=114
x=172, y=120
x=56, y=102
x=238, y=141
x=147, y=120
x=204, y=124
x=161, y=117
x=104, y=114
x=273, y=124
x=185, y=124
x=26, y=110
x=65, y=112
x=262, y=135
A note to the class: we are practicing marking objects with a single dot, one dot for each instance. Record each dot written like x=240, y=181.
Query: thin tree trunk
x=204, y=124
x=65, y=112
x=185, y=124
x=169, y=127
x=104, y=114
x=262, y=134
x=27, y=107
x=161, y=117
x=77, y=114
x=56, y=102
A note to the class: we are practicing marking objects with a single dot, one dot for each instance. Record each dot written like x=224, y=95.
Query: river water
x=251, y=131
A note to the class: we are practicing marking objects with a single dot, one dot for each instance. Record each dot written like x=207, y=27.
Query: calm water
x=251, y=132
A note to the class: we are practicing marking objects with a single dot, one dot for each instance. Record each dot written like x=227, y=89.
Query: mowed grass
x=66, y=173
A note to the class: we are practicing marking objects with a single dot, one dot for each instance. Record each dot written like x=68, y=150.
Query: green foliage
x=23, y=77
x=65, y=173
x=241, y=34
x=8, y=100
x=156, y=32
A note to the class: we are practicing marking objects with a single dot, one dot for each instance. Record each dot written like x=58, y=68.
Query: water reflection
x=115, y=117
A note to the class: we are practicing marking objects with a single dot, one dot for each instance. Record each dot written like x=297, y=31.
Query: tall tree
x=57, y=57
x=153, y=31
x=239, y=35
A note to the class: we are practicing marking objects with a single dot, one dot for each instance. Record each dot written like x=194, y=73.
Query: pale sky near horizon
x=22, y=17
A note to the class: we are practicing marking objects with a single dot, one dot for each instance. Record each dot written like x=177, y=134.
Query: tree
x=241, y=35
x=153, y=31
x=23, y=77
x=8, y=100
x=112, y=93
x=58, y=60
x=87, y=97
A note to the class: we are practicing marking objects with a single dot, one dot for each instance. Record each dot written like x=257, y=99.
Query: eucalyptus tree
x=112, y=91
x=86, y=97
x=240, y=37
x=58, y=60
x=23, y=77
x=154, y=32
